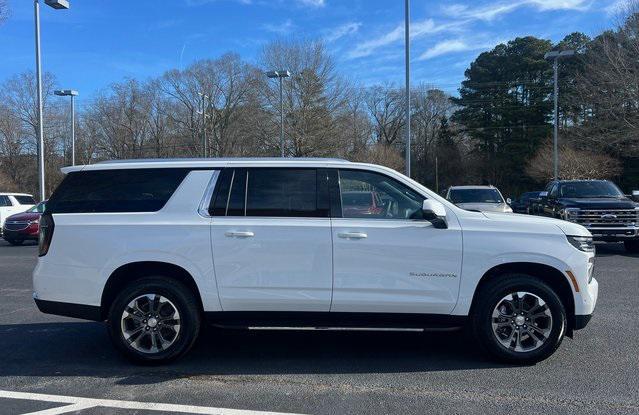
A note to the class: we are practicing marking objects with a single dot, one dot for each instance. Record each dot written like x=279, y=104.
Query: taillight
x=45, y=234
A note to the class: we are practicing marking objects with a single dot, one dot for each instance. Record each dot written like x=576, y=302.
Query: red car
x=23, y=226
x=362, y=204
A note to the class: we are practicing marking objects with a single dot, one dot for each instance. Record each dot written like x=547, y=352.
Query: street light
x=555, y=56
x=56, y=4
x=407, y=47
x=281, y=74
x=70, y=93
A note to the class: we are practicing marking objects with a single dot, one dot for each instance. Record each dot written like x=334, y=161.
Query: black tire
x=15, y=242
x=632, y=246
x=482, y=318
x=179, y=297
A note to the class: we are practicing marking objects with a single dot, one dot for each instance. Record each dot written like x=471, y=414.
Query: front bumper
x=19, y=235
x=614, y=234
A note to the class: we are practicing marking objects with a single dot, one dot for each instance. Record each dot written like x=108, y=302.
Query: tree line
x=496, y=129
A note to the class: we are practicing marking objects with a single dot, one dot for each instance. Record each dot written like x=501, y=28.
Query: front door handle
x=352, y=235
x=242, y=234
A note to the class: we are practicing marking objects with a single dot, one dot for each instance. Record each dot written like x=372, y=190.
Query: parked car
x=599, y=205
x=523, y=204
x=11, y=203
x=362, y=203
x=157, y=248
x=479, y=198
x=23, y=226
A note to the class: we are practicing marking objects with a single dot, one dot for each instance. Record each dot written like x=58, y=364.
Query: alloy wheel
x=522, y=321
x=150, y=323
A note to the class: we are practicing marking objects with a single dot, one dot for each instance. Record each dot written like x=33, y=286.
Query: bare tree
x=573, y=164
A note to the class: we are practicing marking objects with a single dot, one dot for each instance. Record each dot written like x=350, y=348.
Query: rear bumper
x=82, y=311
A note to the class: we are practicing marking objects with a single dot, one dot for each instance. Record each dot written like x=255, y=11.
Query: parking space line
x=78, y=403
x=63, y=409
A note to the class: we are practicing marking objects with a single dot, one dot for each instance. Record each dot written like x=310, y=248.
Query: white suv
x=155, y=248
x=12, y=203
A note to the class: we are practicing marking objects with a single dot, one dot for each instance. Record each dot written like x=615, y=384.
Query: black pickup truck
x=599, y=205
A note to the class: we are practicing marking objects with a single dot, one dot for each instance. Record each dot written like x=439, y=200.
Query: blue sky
x=98, y=42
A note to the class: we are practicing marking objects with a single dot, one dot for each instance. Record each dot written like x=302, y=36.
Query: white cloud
x=283, y=28
x=313, y=3
x=617, y=7
x=451, y=46
x=418, y=29
x=341, y=31
x=491, y=11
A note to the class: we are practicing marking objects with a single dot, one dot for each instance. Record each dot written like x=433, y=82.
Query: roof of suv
x=205, y=163
x=14, y=194
x=471, y=187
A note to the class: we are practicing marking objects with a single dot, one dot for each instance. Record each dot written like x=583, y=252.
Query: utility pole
x=407, y=46
x=555, y=56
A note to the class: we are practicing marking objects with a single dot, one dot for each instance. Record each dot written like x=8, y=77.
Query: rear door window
x=124, y=190
x=25, y=200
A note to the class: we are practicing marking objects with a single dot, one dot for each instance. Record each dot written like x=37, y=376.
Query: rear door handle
x=242, y=234
x=352, y=235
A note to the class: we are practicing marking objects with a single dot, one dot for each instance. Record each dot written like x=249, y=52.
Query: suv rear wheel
x=154, y=320
x=519, y=319
x=632, y=246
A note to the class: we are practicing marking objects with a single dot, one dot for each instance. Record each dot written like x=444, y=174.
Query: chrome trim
x=203, y=209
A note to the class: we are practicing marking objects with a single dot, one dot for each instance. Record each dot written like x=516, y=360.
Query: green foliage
x=505, y=107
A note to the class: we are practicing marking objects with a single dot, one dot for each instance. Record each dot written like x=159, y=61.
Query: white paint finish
x=285, y=266
x=177, y=234
x=495, y=239
x=76, y=403
x=402, y=266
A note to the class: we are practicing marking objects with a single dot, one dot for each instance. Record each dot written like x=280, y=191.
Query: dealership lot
x=317, y=372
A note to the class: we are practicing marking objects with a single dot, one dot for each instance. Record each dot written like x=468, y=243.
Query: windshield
x=357, y=199
x=39, y=208
x=589, y=189
x=528, y=195
x=475, y=196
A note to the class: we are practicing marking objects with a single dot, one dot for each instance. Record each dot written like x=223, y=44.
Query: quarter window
x=375, y=196
x=125, y=190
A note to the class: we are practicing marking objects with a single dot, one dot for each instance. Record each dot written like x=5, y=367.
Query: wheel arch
x=550, y=275
x=133, y=271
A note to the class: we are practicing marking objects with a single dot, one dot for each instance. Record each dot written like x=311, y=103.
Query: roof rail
x=157, y=160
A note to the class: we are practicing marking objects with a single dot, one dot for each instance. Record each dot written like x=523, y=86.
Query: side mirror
x=509, y=200
x=435, y=213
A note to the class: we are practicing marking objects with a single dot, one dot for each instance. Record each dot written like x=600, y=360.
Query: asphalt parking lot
x=316, y=372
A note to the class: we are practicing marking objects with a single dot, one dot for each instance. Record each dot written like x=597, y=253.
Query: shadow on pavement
x=613, y=249
x=84, y=349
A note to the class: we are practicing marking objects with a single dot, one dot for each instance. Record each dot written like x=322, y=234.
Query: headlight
x=569, y=213
x=582, y=243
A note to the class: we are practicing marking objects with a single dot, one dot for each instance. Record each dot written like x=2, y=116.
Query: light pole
x=70, y=93
x=281, y=74
x=407, y=46
x=204, y=115
x=56, y=4
x=555, y=56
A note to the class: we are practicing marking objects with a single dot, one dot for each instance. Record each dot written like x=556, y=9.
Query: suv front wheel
x=519, y=319
x=154, y=320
